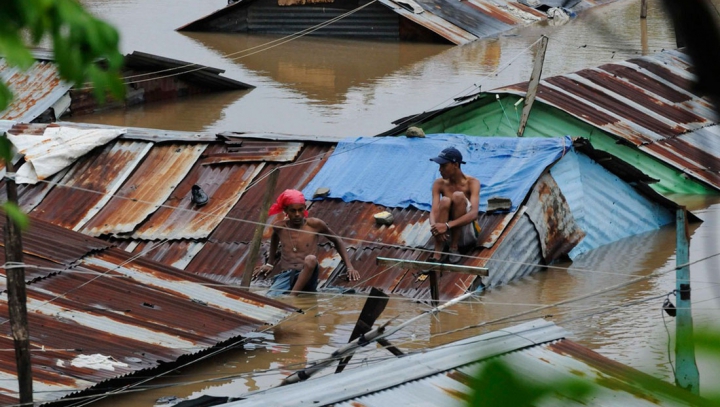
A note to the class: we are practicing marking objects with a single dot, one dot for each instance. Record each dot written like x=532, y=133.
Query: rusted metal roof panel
x=222, y=262
x=90, y=183
x=650, y=102
x=46, y=245
x=249, y=151
x=179, y=218
x=34, y=90
x=174, y=253
x=138, y=326
x=150, y=185
x=194, y=288
x=438, y=25
x=295, y=176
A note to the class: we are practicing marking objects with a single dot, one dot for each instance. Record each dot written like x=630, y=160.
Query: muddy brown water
x=342, y=87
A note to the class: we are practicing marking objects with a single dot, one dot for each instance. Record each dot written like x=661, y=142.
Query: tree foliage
x=79, y=42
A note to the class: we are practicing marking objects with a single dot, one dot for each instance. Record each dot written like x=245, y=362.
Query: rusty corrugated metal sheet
x=239, y=150
x=145, y=134
x=137, y=312
x=181, y=219
x=445, y=29
x=650, y=102
x=34, y=90
x=174, y=253
x=49, y=246
x=296, y=176
x=222, y=262
x=90, y=183
x=151, y=183
x=550, y=213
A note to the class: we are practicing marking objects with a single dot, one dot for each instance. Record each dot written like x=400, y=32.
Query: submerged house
x=644, y=111
x=537, y=354
x=451, y=21
x=41, y=96
x=134, y=192
x=100, y=318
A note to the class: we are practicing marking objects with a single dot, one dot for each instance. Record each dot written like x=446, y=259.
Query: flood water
x=349, y=88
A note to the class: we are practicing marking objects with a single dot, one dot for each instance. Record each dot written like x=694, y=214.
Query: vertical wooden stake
x=644, y=37
x=533, y=85
x=17, y=297
x=643, y=9
x=259, y=229
x=434, y=289
x=686, y=374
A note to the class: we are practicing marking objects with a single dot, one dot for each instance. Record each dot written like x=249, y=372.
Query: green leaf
x=16, y=215
x=6, y=147
x=5, y=96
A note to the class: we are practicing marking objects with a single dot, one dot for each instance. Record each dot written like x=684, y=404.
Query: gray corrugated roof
x=535, y=351
x=34, y=90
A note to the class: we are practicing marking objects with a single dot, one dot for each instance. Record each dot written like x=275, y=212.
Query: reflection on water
x=350, y=88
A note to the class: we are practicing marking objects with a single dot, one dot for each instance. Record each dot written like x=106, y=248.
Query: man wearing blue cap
x=455, y=202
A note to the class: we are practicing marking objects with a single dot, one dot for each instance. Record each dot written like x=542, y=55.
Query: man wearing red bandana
x=297, y=236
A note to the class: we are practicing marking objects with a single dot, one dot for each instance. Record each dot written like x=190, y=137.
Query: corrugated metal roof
x=34, y=90
x=137, y=312
x=179, y=218
x=198, y=74
x=650, y=102
x=535, y=351
x=151, y=183
x=239, y=150
x=90, y=184
x=458, y=22
x=132, y=133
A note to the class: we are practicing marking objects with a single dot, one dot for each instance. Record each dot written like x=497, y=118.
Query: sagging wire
x=670, y=309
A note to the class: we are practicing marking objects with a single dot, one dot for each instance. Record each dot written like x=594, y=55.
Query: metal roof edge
x=148, y=134
x=281, y=137
x=394, y=372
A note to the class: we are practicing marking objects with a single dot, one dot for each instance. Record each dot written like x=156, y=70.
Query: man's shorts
x=285, y=281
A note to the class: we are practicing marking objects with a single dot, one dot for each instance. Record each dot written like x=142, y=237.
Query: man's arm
x=267, y=267
x=435, y=200
x=353, y=274
x=472, y=214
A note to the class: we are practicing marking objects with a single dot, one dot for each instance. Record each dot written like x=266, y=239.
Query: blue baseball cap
x=449, y=155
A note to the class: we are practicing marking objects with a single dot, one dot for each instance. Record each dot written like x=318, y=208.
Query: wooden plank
x=424, y=265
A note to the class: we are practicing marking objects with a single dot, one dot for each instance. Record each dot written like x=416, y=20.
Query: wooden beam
x=425, y=266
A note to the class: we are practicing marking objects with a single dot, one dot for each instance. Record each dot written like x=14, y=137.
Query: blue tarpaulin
x=397, y=171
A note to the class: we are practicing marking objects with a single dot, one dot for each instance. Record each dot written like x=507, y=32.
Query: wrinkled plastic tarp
x=56, y=149
x=397, y=171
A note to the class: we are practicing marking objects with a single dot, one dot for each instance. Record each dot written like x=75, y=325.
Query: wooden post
x=17, y=297
x=686, y=374
x=644, y=37
x=643, y=9
x=533, y=85
x=434, y=289
x=259, y=229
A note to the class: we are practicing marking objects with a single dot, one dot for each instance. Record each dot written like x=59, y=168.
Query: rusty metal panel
x=173, y=253
x=149, y=187
x=34, y=90
x=294, y=176
x=90, y=183
x=139, y=326
x=449, y=31
x=222, y=262
x=58, y=245
x=240, y=150
x=179, y=218
x=553, y=220
x=651, y=102
x=192, y=288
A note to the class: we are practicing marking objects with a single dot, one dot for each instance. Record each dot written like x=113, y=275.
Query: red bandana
x=288, y=197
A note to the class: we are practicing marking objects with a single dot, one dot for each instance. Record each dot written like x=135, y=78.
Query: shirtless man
x=297, y=235
x=455, y=202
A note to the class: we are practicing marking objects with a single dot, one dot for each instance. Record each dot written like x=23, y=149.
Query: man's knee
x=311, y=261
x=445, y=203
x=458, y=198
